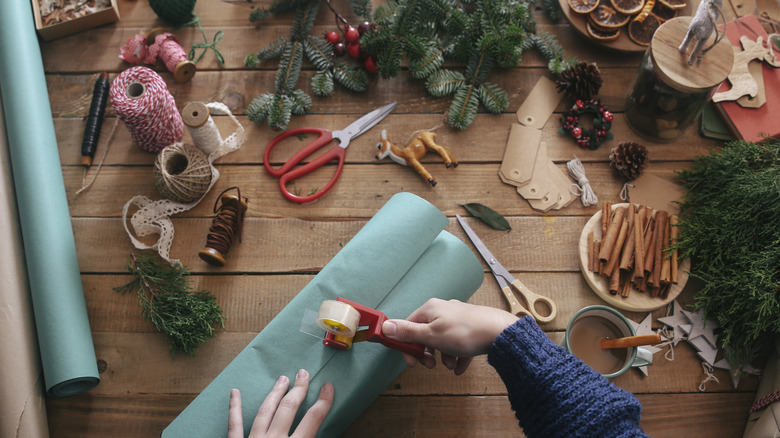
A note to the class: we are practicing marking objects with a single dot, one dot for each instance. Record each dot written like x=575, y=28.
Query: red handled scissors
x=288, y=172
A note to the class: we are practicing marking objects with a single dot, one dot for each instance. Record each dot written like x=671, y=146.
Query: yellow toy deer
x=414, y=151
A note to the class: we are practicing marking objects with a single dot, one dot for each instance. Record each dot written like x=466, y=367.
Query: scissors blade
x=367, y=122
x=503, y=276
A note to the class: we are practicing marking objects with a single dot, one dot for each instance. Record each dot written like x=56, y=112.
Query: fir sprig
x=730, y=227
x=185, y=316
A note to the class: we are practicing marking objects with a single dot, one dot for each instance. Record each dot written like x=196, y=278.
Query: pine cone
x=628, y=159
x=582, y=81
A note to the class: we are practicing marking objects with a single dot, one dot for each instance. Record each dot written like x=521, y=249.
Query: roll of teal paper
x=64, y=337
x=396, y=262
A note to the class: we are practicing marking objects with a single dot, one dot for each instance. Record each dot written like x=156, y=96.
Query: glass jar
x=668, y=94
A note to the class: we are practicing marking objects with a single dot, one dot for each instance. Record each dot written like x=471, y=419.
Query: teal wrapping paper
x=396, y=262
x=64, y=337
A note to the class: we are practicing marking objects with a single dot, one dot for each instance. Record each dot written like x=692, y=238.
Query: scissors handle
x=288, y=172
x=324, y=138
x=540, y=307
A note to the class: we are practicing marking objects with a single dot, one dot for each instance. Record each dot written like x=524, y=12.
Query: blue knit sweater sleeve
x=554, y=394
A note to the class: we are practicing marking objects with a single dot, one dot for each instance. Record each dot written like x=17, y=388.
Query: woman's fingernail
x=389, y=328
x=233, y=393
x=327, y=388
x=282, y=380
x=302, y=374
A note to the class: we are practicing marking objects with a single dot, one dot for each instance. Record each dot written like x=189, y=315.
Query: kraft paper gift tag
x=765, y=422
x=398, y=260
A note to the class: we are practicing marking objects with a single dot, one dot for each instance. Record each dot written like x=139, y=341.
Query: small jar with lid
x=668, y=94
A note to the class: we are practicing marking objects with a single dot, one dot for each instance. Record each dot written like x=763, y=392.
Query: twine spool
x=162, y=45
x=182, y=173
x=142, y=101
x=204, y=132
x=177, y=12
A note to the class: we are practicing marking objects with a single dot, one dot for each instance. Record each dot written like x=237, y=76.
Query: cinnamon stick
x=639, y=244
x=661, y=223
x=614, y=282
x=608, y=241
x=649, y=247
x=590, y=251
x=666, y=265
x=606, y=216
x=614, y=257
x=595, y=256
x=627, y=256
x=674, y=233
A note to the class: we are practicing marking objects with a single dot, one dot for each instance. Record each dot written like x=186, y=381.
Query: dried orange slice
x=583, y=6
x=628, y=7
x=601, y=35
x=641, y=32
x=606, y=17
x=664, y=13
x=674, y=4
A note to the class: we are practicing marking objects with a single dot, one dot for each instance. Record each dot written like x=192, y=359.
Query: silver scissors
x=540, y=307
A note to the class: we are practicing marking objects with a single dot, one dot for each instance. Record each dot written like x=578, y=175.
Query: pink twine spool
x=160, y=44
x=142, y=101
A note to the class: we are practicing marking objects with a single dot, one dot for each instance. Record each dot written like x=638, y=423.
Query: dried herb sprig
x=185, y=316
x=730, y=226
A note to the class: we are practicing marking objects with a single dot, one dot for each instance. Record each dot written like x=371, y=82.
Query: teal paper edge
x=420, y=261
x=65, y=340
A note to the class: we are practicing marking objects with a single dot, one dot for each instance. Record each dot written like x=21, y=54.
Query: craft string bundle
x=142, y=101
x=153, y=217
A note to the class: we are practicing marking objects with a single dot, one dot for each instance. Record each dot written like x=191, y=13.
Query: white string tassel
x=583, y=188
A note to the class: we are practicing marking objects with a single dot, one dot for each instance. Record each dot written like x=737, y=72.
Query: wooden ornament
x=742, y=82
x=411, y=154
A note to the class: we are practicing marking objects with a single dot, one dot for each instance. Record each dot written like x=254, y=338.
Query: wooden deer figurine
x=414, y=151
x=742, y=82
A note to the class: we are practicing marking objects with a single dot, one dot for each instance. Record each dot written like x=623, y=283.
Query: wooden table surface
x=285, y=244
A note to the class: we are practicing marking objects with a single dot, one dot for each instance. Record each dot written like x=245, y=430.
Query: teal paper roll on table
x=396, y=262
x=64, y=336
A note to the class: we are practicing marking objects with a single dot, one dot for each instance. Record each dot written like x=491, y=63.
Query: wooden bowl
x=636, y=301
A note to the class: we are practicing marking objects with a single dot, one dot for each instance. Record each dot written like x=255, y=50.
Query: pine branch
x=463, y=108
x=289, y=68
x=260, y=107
x=444, y=83
x=322, y=83
x=186, y=317
x=493, y=97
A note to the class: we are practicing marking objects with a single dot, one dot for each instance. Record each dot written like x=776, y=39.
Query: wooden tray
x=636, y=301
x=623, y=43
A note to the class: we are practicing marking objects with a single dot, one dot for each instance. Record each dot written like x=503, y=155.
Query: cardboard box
x=68, y=27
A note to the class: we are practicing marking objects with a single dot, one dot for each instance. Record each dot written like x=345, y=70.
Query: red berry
x=351, y=35
x=608, y=116
x=339, y=49
x=370, y=65
x=354, y=50
x=333, y=37
x=579, y=104
x=576, y=132
x=364, y=27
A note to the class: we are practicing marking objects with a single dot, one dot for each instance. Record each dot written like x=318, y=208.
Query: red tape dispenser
x=347, y=322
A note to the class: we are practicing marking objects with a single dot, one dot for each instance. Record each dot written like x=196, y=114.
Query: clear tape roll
x=338, y=318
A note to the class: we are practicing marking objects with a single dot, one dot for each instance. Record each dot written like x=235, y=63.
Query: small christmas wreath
x=587, y=138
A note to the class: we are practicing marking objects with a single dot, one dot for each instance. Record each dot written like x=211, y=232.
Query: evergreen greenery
x=185, y=316
x=482, y=35
x=730, y=226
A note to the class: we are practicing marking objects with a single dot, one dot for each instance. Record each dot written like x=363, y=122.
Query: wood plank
x=293, y=245
x=237, y=89
x=360, y=191
x=90, y=415
x=485, y=141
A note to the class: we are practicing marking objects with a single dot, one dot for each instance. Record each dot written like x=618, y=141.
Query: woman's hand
x=276, y=414
x=458, y=330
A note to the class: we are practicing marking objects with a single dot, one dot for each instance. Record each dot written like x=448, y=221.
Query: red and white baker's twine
x=142, y=101
x=165, y=45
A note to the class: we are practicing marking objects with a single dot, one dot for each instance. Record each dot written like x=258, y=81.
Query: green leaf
x=322, y=83
x=487, y=215
x=289, y=68
x=260, y=107
x=463, y=108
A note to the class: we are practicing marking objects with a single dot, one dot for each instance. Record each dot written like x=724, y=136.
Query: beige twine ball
x=182, y=173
